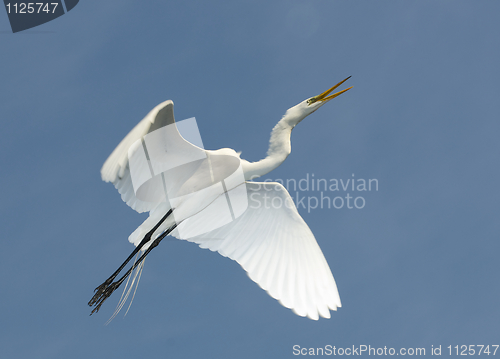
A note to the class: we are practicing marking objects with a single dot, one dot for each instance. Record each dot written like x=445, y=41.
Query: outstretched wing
x=271, y=241
x=116, y=169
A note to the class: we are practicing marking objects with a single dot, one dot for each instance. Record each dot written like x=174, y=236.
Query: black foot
x=102, y=293
x=99, y=291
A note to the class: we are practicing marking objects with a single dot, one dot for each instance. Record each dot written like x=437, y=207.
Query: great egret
x=187, y=191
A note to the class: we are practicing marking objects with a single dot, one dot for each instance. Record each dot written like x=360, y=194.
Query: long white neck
x=279, y=149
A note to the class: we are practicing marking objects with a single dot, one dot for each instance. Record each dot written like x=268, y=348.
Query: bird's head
x=297, y=113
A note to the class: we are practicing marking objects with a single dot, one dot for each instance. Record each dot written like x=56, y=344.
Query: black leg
x=113, y=286
x=98, y=298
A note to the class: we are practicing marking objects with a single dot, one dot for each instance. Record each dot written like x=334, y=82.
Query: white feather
x=277, y=249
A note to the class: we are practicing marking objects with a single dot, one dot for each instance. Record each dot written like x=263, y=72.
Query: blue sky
x=417, y=266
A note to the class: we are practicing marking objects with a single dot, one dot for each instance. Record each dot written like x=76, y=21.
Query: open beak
x=324, y=96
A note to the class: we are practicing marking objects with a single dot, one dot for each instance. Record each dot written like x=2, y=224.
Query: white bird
x=209, y=198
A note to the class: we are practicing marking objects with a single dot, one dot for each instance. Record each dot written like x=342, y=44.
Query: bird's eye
x=311, y=101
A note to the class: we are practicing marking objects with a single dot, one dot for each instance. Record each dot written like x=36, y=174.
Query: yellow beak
x=324, y=96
